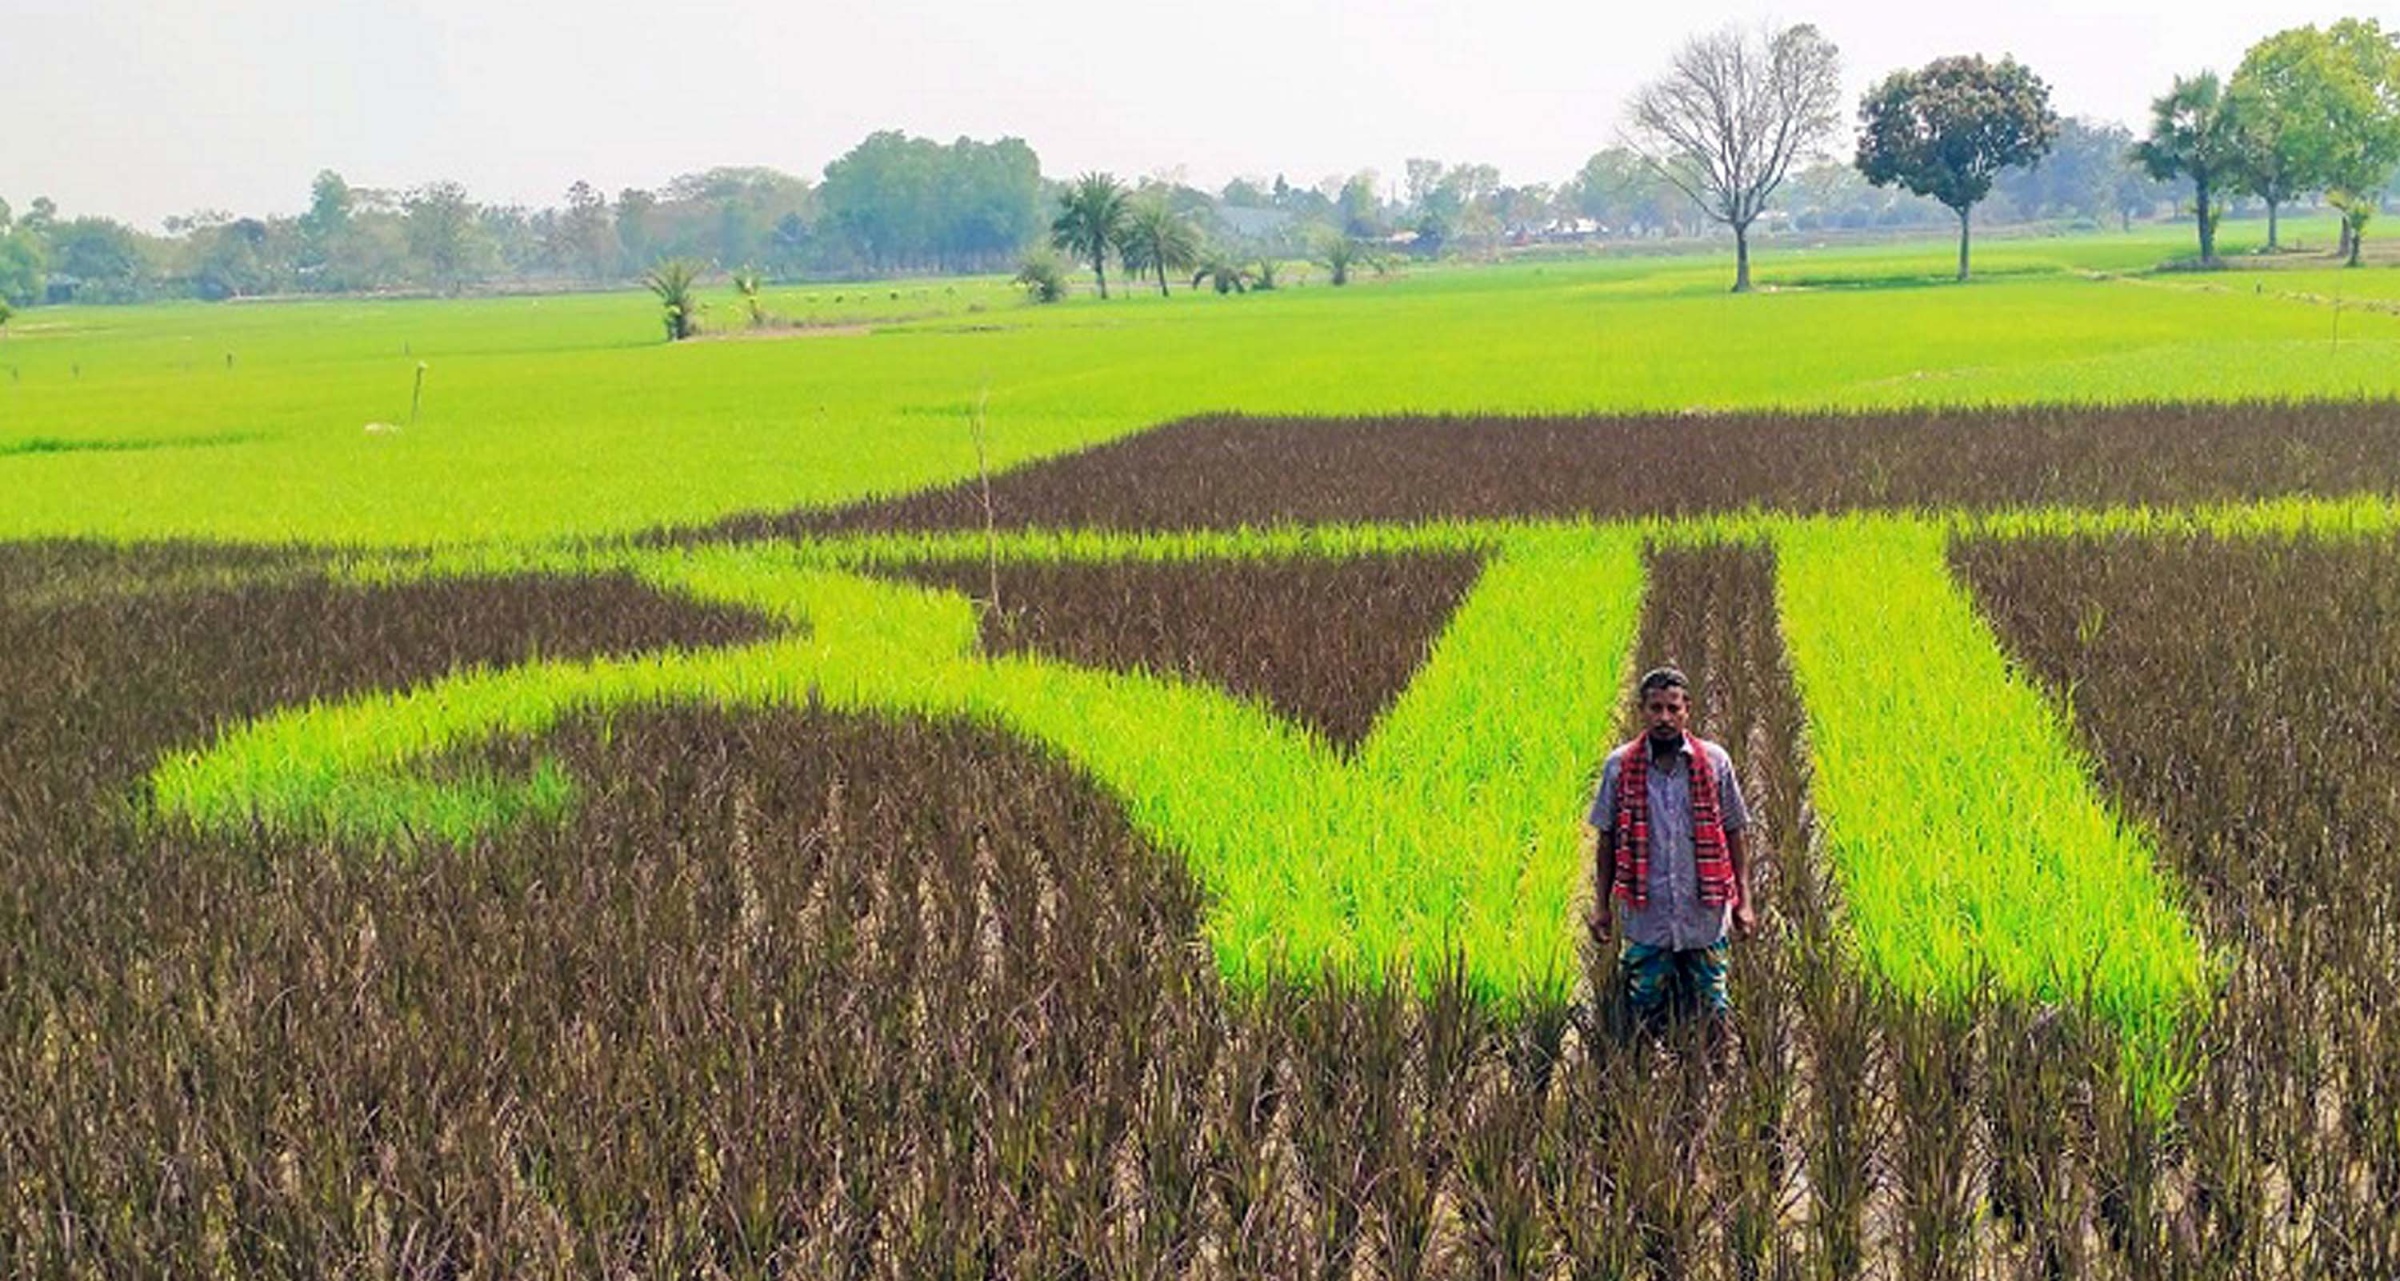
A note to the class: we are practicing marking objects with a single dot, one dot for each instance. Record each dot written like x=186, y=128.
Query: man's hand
x=1601, y=921
x=1745, y=920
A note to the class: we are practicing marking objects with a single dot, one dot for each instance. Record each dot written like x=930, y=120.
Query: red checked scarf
x=1630, y=850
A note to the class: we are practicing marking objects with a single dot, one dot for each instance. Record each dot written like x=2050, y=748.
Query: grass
x=564, y=417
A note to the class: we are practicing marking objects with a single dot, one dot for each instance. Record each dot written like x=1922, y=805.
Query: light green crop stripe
x=1453, y=826
x=1964, y=825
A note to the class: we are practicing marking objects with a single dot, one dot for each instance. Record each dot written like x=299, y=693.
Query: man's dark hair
x=1658, y=678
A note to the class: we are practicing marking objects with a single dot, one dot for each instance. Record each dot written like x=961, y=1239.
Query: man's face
x=1667, y=710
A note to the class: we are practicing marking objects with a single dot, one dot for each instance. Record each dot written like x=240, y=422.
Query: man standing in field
x=1667, y=827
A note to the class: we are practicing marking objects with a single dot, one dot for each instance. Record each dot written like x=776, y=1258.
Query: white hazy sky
x=145, y=108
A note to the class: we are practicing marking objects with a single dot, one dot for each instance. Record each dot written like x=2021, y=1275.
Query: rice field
x=1163, y=859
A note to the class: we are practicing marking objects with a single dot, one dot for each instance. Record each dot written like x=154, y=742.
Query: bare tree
x=1732, y=113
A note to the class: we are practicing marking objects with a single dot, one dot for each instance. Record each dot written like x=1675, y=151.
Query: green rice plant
x=1442, y=832
x=1969, y=841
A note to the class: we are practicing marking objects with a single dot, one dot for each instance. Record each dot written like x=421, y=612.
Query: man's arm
x=1599, y=842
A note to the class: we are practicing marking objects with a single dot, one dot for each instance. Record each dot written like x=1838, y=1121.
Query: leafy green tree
x=2284, y=144
x=2079, y=176
x=99, y=260
x=1948, y=129
x=1158, y=240
x=1092, y=215
x=445, y=235
x=676, y=281
x=1731, y=115
x=2195, y=134
x=1042, y=276
x=21, y=263
x=2360, y=70
x=1356, y=204
x=1621, y=192
x=636, y=211
x=584, y=238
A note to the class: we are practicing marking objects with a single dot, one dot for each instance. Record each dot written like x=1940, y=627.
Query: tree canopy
x=2194, y=134
x=1092, y=215
x=1947, y=130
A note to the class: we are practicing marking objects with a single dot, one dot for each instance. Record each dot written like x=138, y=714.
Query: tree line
x=2312, y=114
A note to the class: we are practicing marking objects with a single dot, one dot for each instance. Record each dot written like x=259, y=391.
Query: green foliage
x=2195, y=133
x=906, y=202
x=96, y=259
x=1342, y=255
x=21, y=261
x=2320, y=109
x=1042, y=276
x=1093, y=214
x=1157, y=240
x=676, y=282
x=1948, y=129
x=1223, y=273
x=445, y=235
x=746, y=285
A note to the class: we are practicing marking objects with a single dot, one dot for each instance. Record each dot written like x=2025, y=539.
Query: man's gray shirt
x=1674, y=917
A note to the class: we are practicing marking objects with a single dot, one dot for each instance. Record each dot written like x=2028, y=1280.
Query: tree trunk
x=2208, y=227
x=1962, y=241
x=2358, y=239
x=2273, y=242
x=1162, y=277
x=1741, y=260
x=1100, y=270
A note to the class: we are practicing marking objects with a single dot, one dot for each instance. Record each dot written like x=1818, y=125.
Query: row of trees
x=2310, y=111
x=2307, y=111
x=1733, y=134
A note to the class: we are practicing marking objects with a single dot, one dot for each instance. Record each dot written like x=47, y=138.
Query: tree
x=1091, y=222
x=1042, y=277
x=2194, y=134
x=676, y=282
x=585, y=235
x=2359, y=66
x=1946, y=130
x=1157, y=239
x=2283, y=147
x=1619, y=190
x=21, y=261
x=1342, y=255
x=330, y=201
x=1731, y=115
x=6, y=314
x=635, y=209
x=2080, y=175
x=748, y=285
x=1222, y=272
x=96, y=259
x=444, y=234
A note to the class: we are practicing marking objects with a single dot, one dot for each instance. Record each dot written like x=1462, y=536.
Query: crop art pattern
x=1209, y=814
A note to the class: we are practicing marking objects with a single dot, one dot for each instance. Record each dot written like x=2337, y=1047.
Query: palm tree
x=1157, y=239
x=1227, y=275
x=675, y=281
x=1091, y=222
x=1341, y=255
x=747, y=282
x=2195, y=133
